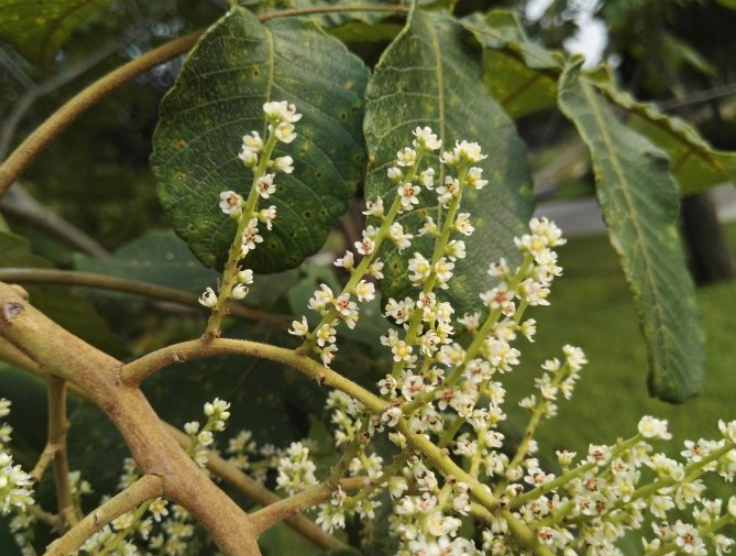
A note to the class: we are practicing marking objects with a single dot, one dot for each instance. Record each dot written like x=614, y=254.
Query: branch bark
x=58, y=426
x=62, y=355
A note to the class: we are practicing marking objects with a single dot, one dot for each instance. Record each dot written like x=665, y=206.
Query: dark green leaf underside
x=236, y=67
x=640, y=205
x=431, y=75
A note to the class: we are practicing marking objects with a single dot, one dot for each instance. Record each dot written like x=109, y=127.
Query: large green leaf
x=75, y=313
x=237, y=66
x=640, y=205
x=521, y=75
x=38, y=29
x=431, y=75
x=695, y=165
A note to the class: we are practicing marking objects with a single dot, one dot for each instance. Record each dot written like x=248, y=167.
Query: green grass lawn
x=591, y=307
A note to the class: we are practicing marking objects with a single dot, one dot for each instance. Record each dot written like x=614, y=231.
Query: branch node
x=11, y=311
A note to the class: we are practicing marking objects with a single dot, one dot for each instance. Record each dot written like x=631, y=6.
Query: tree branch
x=279, y=511
x=136, y=287
x=58, y=426
x=260, y=494
x=135, y=372
x=145, y=488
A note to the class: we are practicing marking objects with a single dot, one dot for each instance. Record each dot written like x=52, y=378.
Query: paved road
x=582, y=217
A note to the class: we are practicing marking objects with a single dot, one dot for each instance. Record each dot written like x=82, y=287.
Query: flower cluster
x=256, y=154
x=296, y=470
x=201, y=437
x=16, y=493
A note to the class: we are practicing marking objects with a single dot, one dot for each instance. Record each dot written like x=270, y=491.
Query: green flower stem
x=235, y=254
x=570, y=475
x=439, y=250
x=524, y=535
x=365, y=262
x=531, y=428
x=692, y=471
x=121, y=535
x=387, y=474
x=475, y=345
x=449, y=434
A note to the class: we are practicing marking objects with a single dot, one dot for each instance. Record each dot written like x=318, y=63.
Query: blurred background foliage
x=92, y=194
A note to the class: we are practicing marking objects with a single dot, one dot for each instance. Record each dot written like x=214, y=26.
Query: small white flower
x=347, y=261
x=285, y=133
x=374, y=208
x=281, y=111
x=231, y=203
x=474, y=178
x=426, y=139
x=299, y=328
x=265, y=186
x=250, y=237
x=267, y=216
x=245, y=276
x=365, y=291
x=284, y=164
x=239, y=291
x=208, y=298
x=649, y=427
x=395, y=174
x=408, y=193
x=406, y=157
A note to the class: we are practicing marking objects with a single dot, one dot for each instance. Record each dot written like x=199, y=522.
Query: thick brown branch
x=261, y=495
x=58, y=426
x=146, y=488
x=61, y=355
x=136, y=287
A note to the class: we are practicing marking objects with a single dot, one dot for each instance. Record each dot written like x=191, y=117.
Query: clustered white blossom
x=202, y=437
x=256, y=154
x=16, y=493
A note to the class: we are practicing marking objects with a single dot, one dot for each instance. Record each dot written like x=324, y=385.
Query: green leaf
x=694, y=164
x=431, y=75
x=237, y=66
x=75, y=313
x=39, y=29
x=158, y=257
x=640, y=205
x=521, y=75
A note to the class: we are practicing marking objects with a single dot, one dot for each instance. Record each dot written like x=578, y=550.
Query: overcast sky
x=590, y=41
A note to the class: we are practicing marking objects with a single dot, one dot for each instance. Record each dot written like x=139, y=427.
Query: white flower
x=231, y=203
x=455, y=249
x=253, y=141
x=347, y=262
x=281, y=111
x=321, y=298
x=426, y=178
x=426, y=139
x=649, y=427
x=285, y=133
x=728, y=430
x=474, y=179
x=420, y=268
x=408, y=193
x=365, y=291
x=469, y=152
x=250, y=237
x=267, y=216
x=284, y=164
x=327, y=354
x=395, y=174
x=325, y=335
x=449, y=190
x=245, y=276
x=299, y=328
x=376, y=270
x=463, y=225
x=443, y=269
x=265, y=186
x=374, y=208
x=396, y=233
x=208, y=298
x=239, y=291
x=406, y=157
x=402, y=351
